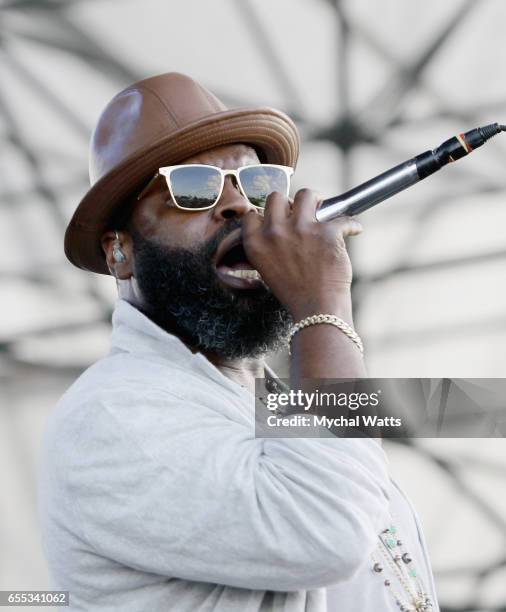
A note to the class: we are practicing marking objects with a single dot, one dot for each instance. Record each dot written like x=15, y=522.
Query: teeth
x=244, y=274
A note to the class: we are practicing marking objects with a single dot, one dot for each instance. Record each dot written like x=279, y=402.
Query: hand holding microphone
x=304, y=263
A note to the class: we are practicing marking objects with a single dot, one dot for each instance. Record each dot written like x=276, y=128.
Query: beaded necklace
x=393, y=554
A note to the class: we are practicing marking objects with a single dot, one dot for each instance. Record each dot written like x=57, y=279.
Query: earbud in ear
x=117, y=253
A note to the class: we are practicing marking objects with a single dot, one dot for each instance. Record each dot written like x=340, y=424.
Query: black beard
x=183, y=295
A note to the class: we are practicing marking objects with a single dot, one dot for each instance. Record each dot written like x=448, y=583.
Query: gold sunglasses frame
x=167, y=170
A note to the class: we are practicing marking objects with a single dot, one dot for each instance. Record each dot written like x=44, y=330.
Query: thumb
x=347, y=226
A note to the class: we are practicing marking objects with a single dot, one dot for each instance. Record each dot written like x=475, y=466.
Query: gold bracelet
x=330, y=320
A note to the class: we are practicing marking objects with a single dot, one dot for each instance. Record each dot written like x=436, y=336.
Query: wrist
x=327, y=319
x=338, y=303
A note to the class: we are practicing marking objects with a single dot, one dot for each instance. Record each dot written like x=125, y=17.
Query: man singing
x=154, y=494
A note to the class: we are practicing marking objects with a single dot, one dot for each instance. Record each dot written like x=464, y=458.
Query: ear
x=124, y=269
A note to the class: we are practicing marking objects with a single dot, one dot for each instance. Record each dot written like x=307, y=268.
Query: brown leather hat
x=158, y=122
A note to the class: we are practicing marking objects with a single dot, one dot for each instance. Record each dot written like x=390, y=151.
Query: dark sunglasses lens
x=260, y=181
x=195, y=187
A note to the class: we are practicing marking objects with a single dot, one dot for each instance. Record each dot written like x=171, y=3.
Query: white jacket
x=154, y=495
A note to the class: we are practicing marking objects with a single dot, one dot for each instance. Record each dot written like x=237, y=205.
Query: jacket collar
x=133, y=332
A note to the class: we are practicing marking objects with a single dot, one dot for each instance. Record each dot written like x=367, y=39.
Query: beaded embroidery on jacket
x=390, y=550
x=393, y=555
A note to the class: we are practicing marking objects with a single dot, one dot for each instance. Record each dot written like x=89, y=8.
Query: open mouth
x=233, y=267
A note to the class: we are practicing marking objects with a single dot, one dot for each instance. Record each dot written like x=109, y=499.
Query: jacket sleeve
x=198, y=497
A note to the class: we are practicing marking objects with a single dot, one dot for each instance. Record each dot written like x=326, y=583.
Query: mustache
x=230, y=226
x=205, y=250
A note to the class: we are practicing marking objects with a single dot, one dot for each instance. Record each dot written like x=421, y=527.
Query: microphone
x=387, y=184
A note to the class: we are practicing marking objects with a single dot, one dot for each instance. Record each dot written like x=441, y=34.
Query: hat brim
x=264, y=128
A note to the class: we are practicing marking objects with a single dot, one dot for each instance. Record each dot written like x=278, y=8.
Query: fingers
x=275, y=212
x=304, y=206
x=276, y=209
x=301, y=211
x=251, y=223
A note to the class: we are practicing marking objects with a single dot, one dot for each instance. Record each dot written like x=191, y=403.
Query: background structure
x=369, y=83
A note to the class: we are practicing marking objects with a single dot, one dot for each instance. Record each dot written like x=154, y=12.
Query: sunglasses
x=199, y=187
